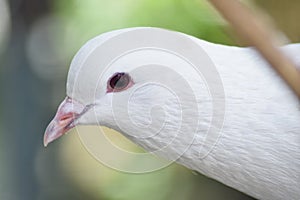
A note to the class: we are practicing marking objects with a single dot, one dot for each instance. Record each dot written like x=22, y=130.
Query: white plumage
x=170, y=107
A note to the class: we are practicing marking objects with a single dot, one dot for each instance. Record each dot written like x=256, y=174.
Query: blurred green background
x=38, y=39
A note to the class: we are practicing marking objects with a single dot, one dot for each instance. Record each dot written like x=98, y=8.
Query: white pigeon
x=216, y=109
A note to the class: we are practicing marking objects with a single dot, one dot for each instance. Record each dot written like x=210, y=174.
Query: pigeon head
x=125, y=81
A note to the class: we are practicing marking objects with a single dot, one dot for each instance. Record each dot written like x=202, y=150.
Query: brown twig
x=255, y=33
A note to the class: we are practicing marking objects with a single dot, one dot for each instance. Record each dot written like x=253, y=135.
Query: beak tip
x=52, y=134
x=46, y=140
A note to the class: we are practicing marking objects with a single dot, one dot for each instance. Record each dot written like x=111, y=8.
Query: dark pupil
x=119, y=81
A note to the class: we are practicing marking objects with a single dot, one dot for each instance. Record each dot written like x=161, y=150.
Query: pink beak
x=68, y=111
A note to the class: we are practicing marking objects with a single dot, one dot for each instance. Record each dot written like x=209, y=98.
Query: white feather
x=258, y=151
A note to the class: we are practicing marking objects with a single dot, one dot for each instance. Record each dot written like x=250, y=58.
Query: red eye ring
x=119, y=82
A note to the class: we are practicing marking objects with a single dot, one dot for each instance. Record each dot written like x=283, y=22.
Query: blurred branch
x=255, y=33
x=283, y=14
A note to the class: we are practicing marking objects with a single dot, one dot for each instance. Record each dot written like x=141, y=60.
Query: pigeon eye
x=119, y=82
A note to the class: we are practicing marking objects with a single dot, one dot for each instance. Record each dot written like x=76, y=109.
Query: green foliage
x=92, y=17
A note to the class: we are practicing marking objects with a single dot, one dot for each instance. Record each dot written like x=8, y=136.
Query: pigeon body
x=156, y=98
